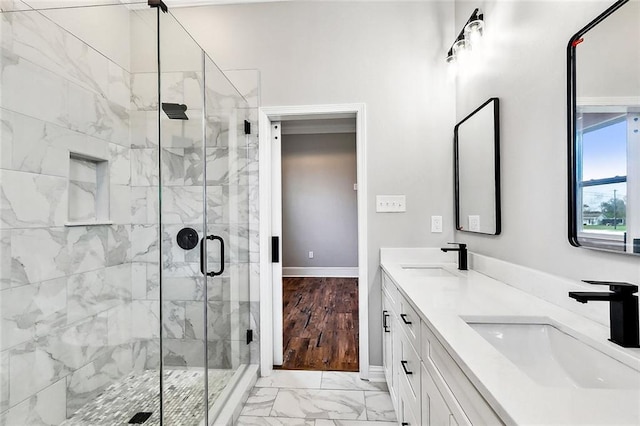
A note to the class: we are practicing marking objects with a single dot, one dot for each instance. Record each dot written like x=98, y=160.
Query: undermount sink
x=552, y=357
x=427, y=271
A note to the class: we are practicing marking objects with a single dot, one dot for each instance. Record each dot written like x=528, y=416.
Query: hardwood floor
x=320, y=324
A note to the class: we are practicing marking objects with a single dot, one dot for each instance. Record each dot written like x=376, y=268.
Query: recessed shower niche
x=88, y=190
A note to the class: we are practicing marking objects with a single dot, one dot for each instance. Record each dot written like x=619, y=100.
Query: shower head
x=175, y=111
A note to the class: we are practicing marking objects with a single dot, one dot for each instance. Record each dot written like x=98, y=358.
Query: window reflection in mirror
x=604, y=131
x=602, y=177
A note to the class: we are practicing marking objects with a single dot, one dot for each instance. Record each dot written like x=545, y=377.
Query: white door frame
x=275, y=114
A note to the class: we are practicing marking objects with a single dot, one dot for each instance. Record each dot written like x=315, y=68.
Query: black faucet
x=623, y=310
x=462, y=254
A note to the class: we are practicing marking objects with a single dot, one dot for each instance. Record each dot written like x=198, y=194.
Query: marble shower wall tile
x=94, y=292
x=119, y=164
x=219, y=354
x=86, y=249
x=32, y=311
x=4, y=380
x=173, y=320
x=184, y=352
x=36, y=146
x=144, y=243
x=120, y=203
x=182, y=205
x=50, y=261
x=88, y=381
x=13, y=5
x=144, y=92
x=5, y=259
x=31, y=200
x=41, y=41
x=45, y=408
x=144, y=204
x=144, y=167
x=118, y=245
x=146, y=319
x=79, y=343
x=143, y=129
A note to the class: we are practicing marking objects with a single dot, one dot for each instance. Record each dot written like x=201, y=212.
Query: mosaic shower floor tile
x=139, y=393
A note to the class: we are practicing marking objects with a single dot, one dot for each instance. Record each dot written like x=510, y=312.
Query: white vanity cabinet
x=426, y=385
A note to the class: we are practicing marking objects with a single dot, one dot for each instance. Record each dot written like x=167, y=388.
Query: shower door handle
x=203, y=257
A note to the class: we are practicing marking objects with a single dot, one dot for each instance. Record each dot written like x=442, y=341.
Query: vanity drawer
x=408, y=409
x=409, y=322
x=408, y=367
x=439, y=405
x=391, y=291
x=475, y=408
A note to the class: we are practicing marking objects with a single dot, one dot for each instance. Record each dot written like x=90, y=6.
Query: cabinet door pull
x=385, y=315
x=403, y=316
x=404, y=367
x=405, y=423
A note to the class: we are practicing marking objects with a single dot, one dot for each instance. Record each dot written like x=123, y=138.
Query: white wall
x=389, y=55
x=319, y=204
x=524, y=65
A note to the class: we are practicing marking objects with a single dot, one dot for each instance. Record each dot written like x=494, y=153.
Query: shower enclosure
x=127, y=164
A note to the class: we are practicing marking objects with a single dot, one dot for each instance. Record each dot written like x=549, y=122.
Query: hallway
x=320, y=324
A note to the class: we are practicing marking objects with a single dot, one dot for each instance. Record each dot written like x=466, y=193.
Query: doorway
x=271, y=289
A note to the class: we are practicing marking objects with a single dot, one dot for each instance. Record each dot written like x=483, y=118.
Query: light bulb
x=473, y=32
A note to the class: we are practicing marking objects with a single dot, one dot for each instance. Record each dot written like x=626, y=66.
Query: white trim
x=276, y=230
x=346, y=272
x=303, y=127
x=620, y=101
x=266, y=292
x=376, y=373
x=266, y=115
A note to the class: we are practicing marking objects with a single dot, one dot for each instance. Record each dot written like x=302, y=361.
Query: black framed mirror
x=477, y=170
x=603, y=95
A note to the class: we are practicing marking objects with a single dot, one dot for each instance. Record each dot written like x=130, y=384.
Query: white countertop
x=513, y=395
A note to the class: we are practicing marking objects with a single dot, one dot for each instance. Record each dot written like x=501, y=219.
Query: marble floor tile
x=379, y=406
x=291, y=379
x=320, y=404
x=323, y=422
x=272, y=421
x=260, y=402
x=349, y=381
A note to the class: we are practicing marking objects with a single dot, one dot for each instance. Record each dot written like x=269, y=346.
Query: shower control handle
x=203, y=257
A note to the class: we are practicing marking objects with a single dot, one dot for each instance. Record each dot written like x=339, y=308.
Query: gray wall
x=389, y=55
x=319, y=205
x=413, y=102
x=528, y=74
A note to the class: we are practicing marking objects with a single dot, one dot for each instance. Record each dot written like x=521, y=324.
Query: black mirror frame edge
x=571, y=121
x=496, y=152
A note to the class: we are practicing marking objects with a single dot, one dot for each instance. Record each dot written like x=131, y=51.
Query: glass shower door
x=227, y=185
x=182, y=205
x=204, y=288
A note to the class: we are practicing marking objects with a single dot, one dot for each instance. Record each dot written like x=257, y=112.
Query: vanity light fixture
x=468, y=36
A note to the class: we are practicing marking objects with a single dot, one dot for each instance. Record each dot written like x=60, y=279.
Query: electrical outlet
x=436, y=223
x=474, y=223
x=310, y=255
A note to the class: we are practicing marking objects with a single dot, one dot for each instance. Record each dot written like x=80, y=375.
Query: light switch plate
x=436, y=223
x=391, y=203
